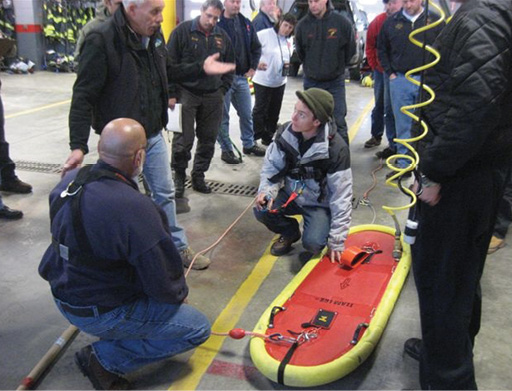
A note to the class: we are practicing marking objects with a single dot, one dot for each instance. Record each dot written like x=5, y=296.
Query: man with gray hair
x=266, y=18
x=123, y=73
x=202, y=98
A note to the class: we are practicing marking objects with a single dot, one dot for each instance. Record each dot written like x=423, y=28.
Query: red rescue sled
x=327, y=321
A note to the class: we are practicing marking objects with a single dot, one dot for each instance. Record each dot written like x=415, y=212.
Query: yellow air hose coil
x=408, y=110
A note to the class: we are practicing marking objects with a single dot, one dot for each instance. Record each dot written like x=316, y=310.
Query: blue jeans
x=382, y=113
x=388, y=113
x=157, y=171
x=403, y=93
x=142, y=332
x=378, y=109
x=317, y=222
x=240, y=96
x=337, y=89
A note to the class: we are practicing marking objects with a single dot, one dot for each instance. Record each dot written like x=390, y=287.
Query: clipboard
x=174, y=123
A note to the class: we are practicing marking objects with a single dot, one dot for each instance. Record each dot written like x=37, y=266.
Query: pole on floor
x=50, y=358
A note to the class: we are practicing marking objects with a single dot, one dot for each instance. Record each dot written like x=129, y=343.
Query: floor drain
x=217, y=187
x=49, y=168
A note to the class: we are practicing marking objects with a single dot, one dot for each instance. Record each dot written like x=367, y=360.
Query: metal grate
x=217, y=187
x=228, y=188
x=49, y=168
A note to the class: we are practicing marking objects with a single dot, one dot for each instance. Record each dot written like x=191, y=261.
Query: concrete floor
x=234, y=291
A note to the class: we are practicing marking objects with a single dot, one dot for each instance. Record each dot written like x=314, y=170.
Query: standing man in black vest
x=202, y=98
x=325, y=43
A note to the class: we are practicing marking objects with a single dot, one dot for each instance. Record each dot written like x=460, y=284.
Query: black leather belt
x=85, y=312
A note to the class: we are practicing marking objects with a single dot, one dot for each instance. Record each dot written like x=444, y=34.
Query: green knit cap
x=319, y=101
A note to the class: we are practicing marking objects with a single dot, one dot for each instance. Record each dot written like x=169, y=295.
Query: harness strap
x=84, y=255
x=284, y=363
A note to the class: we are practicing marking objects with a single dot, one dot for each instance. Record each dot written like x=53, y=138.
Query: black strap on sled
x=284, y=363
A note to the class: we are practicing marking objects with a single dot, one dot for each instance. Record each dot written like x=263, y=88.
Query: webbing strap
x=85, y=254
x=284, y=363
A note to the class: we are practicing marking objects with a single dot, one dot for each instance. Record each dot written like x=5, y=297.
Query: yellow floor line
x=36, y=109
x=204, y=355
x=354, y=129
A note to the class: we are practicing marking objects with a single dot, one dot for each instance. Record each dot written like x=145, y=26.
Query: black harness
x=316, y=170
x=83, y=256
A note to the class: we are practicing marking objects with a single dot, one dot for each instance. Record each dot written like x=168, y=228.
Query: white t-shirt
x=275, y=51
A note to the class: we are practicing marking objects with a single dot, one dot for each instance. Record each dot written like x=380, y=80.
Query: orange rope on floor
x=221, y=237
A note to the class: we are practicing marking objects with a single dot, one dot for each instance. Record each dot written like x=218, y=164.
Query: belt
x=85, y=312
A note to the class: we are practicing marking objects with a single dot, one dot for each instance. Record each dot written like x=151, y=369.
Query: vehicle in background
x=357, y=18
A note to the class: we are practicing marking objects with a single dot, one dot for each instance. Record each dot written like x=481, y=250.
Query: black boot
x=179, y=183
x=198, y=184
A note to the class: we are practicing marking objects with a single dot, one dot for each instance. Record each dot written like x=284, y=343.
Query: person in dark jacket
x=104, y=11
x=113, y=268
x=325, y=43
x=123, y=73
x=382, y=113
x=247, y=52
x=310, y=161
x=9, y=181
x=266, y=17
x=202, y=98
x=397, y=55
x=465, y=163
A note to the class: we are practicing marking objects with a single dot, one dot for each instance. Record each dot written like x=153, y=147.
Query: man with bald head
x=113, y=268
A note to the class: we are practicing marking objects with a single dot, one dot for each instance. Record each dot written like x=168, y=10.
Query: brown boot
x=283, y=245
x=100, y=378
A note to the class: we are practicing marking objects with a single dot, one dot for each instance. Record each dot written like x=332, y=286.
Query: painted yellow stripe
x=203, y=356
x=36, y=109
x=354, y=129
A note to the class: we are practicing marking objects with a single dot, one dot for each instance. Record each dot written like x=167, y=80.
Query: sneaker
x=198, y=184
x=10, y=214
x=230, y=158
x=385, y=153
x=15, y=186
x=255, y=150
x=496, y=244
x=405, y=175
x=179, y=184
x=412, y=347
x=283, y=245
x=201, y=262
x=100, y=378
x=373, y=142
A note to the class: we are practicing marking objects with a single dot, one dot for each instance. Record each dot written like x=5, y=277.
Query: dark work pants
x=206, y=111
x=448, y=261
x=317, y=222
x=504, y=218
x=6, y=164
x=265, y=114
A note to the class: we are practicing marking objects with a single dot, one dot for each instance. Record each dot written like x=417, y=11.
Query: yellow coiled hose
x=408, y=110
